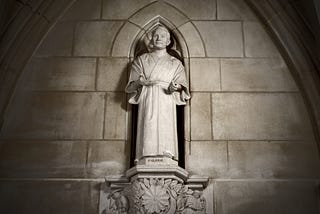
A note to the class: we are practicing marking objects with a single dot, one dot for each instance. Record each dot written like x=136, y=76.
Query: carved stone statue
x=157, y=84
x=118, y=203
x=195, y=204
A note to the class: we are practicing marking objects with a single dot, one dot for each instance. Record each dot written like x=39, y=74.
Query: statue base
x=156, y=185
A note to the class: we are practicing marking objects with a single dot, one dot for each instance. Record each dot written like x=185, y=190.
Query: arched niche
x=178, y=49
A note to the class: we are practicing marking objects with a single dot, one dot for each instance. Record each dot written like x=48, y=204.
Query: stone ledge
x=157, y=171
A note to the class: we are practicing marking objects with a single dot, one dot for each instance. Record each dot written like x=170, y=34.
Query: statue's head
x=115, y=194
x=197, y=194
x=160, y=38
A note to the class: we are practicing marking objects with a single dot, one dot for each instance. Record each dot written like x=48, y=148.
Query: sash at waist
x=160, y=83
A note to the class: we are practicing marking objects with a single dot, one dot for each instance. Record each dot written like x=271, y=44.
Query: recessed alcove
x=174, y=49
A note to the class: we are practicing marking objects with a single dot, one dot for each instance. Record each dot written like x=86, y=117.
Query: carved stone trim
x=156, y=192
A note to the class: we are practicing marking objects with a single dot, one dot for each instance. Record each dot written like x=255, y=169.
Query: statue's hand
x=142, y=81
x=174, y=87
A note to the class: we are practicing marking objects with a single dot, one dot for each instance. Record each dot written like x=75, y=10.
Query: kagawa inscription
x=157, y=84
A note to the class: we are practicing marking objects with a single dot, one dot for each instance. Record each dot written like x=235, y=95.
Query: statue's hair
x=163, y=28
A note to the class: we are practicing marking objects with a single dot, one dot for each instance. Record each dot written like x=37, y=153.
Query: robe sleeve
x=181, y=97
x=132, y=88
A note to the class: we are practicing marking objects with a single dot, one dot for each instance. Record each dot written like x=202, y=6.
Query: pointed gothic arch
x=295, y=49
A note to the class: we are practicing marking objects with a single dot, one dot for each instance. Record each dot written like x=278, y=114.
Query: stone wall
x=247, y=125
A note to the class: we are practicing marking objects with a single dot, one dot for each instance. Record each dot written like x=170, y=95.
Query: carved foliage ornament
x=162, y=196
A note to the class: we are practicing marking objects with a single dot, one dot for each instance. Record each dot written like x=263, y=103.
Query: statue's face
x=160, y=39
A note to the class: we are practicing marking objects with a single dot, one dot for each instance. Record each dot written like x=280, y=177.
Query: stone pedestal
x=156, y=185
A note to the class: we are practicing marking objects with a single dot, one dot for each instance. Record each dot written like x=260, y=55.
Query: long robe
x=157, y=125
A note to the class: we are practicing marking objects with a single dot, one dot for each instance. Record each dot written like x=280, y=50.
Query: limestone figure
x=157, y=83
x=195, y=204
x=118, y=203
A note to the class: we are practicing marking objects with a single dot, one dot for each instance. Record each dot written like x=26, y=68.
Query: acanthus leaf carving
x=157, y=196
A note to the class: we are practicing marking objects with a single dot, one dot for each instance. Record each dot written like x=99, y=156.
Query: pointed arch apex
x=158, y=20
x=152, y=24
x=159, y=9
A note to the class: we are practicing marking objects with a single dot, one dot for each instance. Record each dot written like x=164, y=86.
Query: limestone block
x=222, y=39
x=273, y=159
x=157, y=9
x=42, y=159
x=112, y=74
x=62, y=73
x=83, y=10
x=115, y=116
x=124, y=40
x=122, y=9
x=193, y=40
x=234, y=10
x=201, y=9
x=63, y=197
x=58, y=41
x=257, y=42
x=95, y=38
x=106, y=158
x=207, y=158
x=205, y=74
x=259, y=116
x=200, y=116
x=267, y=74
x=256, y=197
x=53, y=9
x=50, y=115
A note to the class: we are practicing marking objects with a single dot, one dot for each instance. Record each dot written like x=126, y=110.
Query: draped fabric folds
x=157, y=125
